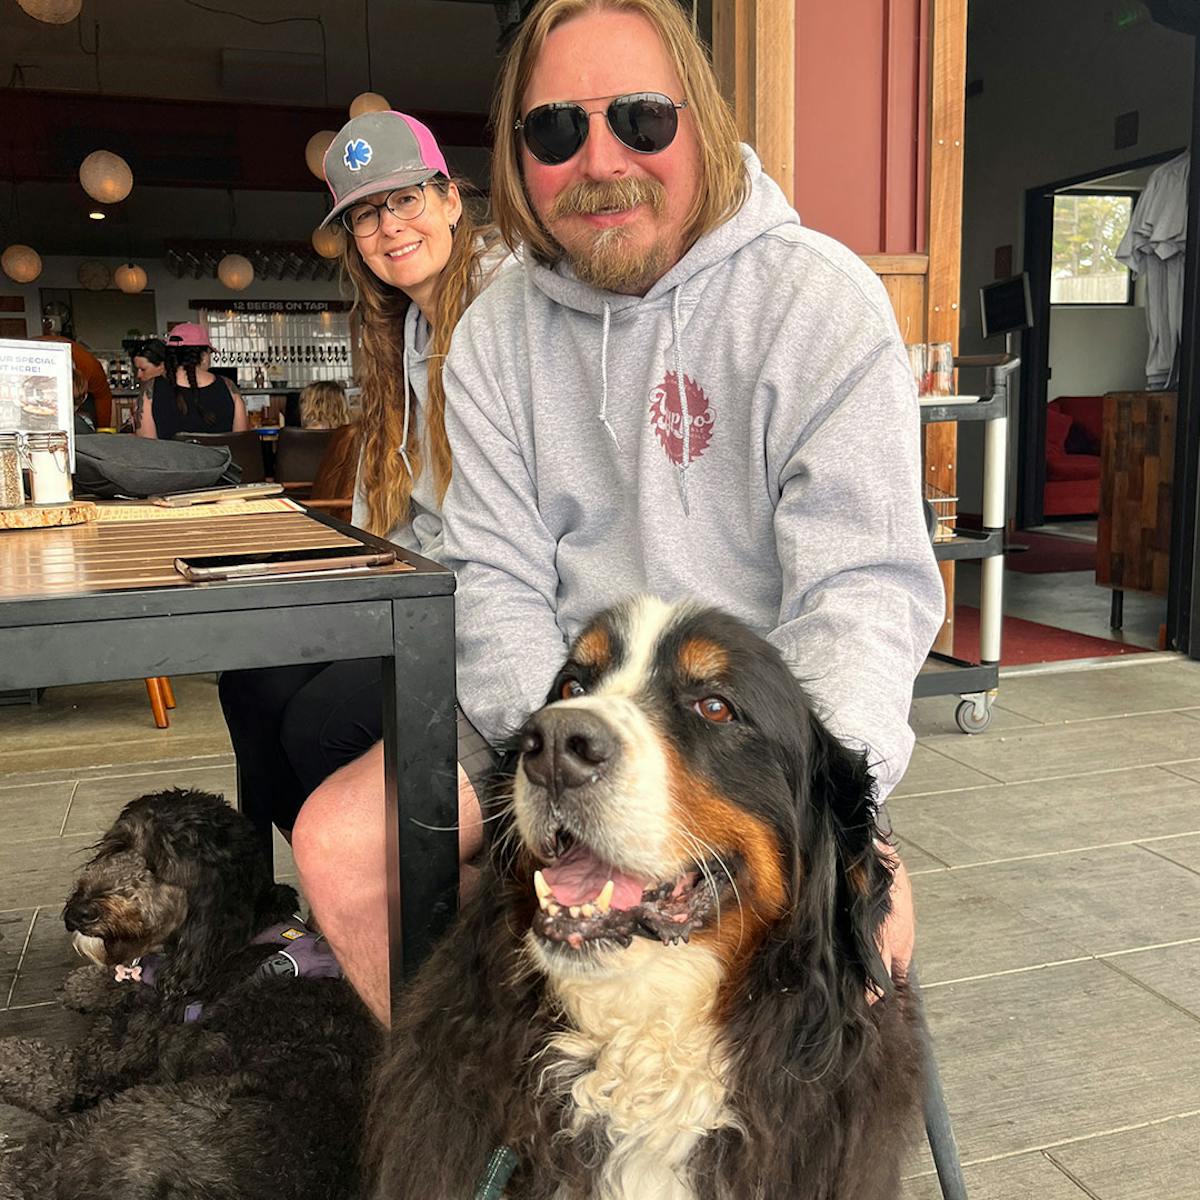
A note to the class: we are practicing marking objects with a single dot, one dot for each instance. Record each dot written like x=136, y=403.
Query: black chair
x=298, y=454
x=246, y=448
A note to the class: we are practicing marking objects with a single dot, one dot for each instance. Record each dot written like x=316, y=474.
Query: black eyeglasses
x=646, y=122
x=408, y=204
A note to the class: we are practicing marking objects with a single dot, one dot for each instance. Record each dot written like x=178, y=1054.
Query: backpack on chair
x=108, y=465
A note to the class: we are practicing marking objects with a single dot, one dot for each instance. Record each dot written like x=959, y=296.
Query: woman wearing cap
x=416, y=258
x=188, y=397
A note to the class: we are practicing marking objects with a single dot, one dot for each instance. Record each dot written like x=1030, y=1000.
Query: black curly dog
x=219, y=1082
x=668, y=985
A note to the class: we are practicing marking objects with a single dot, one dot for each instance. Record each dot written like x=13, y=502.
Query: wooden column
x=754, y=53
x=948, y=77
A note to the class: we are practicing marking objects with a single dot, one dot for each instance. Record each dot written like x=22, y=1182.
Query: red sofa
x=1073, y=425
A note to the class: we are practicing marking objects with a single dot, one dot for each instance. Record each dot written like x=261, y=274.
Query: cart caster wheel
x=968, y=721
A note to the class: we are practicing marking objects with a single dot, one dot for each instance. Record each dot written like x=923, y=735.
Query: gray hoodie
x=791, y=498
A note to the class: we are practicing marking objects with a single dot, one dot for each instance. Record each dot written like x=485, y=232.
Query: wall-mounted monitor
x=1005, y=307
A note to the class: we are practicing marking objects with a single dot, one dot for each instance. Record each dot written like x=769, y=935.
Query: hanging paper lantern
x=106, y=177
x=367, y=102
x=22, y=264
x=53, y=12
x=130, y=279
x=328, y=242
x=93, y=275
x=236, y=272
x=314, y=151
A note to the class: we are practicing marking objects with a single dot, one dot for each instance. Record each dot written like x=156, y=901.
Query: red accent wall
x=862, y=88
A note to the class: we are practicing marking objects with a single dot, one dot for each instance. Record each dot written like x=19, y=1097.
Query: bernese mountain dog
x=667, y=986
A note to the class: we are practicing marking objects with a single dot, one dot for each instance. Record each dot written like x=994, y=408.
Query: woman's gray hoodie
x=791, y=497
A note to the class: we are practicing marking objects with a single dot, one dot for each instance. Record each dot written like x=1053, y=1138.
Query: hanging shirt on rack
x=1154, y=246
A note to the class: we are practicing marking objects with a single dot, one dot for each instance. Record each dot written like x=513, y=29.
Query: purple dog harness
x=302, y=953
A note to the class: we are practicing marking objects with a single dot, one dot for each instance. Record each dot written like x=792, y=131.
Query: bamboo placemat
x=222, y=508
x=105, y=556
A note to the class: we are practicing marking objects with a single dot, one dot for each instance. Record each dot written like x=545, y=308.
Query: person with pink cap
x=416, y=258
x=187, y=397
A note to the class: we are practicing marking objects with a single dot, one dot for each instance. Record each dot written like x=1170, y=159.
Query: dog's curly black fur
x=823, y=1086
x=261, y=1097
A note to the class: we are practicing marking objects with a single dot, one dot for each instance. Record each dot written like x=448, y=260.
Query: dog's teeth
x=588, y=910
x=542, y=888
x=604, y=900
x=552, y=909
x=575, y=910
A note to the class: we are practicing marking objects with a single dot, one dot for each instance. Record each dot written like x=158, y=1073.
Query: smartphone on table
x=202, y=568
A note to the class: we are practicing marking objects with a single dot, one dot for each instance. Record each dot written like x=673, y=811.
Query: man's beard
x=607, y=260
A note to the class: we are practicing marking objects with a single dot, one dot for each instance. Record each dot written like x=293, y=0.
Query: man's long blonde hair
x=381, y=310
x=723, y=182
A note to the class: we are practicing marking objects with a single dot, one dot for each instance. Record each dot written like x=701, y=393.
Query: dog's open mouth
x=582, y=899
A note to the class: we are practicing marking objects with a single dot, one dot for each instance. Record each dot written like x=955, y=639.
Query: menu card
x=35, y=388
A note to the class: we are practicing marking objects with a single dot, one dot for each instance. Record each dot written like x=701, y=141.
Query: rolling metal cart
x=975, y=683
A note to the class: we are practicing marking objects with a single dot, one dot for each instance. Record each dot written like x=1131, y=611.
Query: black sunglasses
x=644, y=121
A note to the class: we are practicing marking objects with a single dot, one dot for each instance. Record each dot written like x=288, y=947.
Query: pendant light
x=328, y=242
x=106, y=177
x=368, y=102
x=236, y=272
x=21, y=263
x=130, y=278
x=53, y=12
x=314, y=151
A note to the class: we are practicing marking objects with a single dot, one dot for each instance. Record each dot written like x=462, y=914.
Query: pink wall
x=861, y=122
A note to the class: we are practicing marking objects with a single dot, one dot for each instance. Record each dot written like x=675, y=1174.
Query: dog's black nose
x=79, y=914
x=566, y=748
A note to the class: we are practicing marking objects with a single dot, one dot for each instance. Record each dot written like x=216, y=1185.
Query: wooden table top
x=117, y=555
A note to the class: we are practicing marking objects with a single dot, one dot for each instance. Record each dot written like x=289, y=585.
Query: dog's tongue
x=578, y=878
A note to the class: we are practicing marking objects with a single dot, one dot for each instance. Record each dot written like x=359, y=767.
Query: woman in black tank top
x=188, y=397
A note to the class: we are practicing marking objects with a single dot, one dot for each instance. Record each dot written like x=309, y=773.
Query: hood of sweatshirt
x=764, y=209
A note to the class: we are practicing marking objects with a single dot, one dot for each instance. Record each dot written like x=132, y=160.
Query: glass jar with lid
x=48, y=455
x=12, y=486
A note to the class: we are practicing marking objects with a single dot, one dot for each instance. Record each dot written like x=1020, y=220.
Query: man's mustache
x=585, y=198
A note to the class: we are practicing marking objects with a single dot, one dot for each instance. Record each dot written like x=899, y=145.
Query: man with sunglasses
x=682, y=392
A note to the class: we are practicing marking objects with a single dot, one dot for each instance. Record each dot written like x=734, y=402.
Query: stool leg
x=157, y=704
x=938, y=1129
x=167, y=691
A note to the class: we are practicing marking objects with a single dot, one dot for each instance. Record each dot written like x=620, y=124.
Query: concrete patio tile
x=1183, y=850
x=48, y=959
x=98, y=801
x=1107, y=691
x=933, y=715
x=150, y=767
x=34, y=810
x=929, y=771
x=1172, y=971
x=14, y=929
x=1076, y=748
x=915, y=857
x=1189, y=770
x=1118, y=898
x=964, y=930
x=1017, y=819
x=1161, y=1162
x=1023, y=1177
x=54, y=1024
x=40, y=872
x=1035, y=1058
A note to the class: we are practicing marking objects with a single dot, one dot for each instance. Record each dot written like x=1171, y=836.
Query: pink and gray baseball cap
x=188, y=333
x=377, y=152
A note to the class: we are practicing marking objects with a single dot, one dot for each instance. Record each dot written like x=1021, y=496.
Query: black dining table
x=101, y=601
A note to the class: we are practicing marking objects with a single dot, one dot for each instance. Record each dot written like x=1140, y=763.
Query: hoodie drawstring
x=612, y=433
x=407, y=414
x=684, y=413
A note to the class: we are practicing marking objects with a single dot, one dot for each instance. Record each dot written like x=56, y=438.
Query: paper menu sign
x=35, y=388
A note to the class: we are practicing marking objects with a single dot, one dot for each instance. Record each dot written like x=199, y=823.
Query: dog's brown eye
x=571, y=688
x=713, y=708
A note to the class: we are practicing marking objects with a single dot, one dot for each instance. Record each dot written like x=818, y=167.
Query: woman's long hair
x=381, y=311
x=187, y=358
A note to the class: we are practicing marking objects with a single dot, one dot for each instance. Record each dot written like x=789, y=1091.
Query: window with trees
x=1088, y=228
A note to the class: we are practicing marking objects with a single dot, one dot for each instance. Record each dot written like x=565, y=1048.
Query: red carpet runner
x=1028, y=642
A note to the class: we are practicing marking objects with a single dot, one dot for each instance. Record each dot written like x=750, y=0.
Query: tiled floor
x=1056, y=864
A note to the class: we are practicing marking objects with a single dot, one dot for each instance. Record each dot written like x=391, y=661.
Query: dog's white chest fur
x=643, y=1057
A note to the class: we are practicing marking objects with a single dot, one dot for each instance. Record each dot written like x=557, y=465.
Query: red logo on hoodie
x=666, y=417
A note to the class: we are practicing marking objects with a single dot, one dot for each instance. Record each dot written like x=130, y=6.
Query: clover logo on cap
x=358, y=154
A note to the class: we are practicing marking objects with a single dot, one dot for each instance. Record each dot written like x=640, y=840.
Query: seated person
x=323, y=405
x=188, y=397
x=682, y=391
